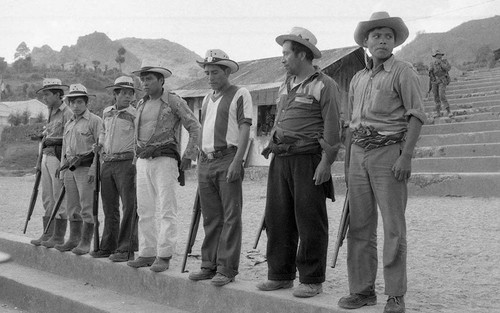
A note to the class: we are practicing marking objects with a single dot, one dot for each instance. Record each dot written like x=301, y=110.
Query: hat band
x=53, y=85
x=214, y=59
x=126, y=84
x=78, y=91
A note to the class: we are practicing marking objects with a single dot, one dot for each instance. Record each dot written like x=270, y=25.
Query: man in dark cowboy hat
x=304, y=141
x=59, y=114
x=118, y=173
x=386, y=115
x=80, y=134
x=439, y=79
x=226, y=121
x=160, y=115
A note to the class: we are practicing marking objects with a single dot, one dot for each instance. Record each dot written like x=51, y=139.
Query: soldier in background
x=59, y=114
x=439, y=79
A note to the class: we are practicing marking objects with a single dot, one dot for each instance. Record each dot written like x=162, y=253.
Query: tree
x=3, y=65
x=14, y=119
x=22, y=51
x=120, y=58
x=96, y=64
x=484, y=55
x=25, y=117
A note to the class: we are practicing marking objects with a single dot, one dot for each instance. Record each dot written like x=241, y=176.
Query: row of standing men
x=141, y=165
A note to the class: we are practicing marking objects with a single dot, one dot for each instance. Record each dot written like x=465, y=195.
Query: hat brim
x=161, y=70
x=113, y=87
x=52, y=87
x=229, y=63
x=281, y=40
x=396, y=23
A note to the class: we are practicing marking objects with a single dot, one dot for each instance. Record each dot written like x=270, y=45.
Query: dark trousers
x=296, y=210
x=118, y=182
x=221, y=205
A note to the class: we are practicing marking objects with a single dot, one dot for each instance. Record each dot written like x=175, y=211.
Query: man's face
x=77, y=105
x=289, y=59
x=380, y=43
x=124, y=98
x=151, y=84
x=50, y=99
x=217, y=77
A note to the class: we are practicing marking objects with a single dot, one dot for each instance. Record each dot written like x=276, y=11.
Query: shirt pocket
x=384, y=102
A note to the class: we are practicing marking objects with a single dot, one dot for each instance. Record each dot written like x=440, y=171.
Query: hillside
x=460, y=43
x=98, y=46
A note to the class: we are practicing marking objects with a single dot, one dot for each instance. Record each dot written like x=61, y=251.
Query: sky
x=245, y=30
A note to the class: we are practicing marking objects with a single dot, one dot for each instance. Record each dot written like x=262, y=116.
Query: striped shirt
x=222, y=117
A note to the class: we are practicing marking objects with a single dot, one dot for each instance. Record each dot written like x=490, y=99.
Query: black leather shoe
x=270, y=285
x=395, y=304
x=221, y=280
x=355, y=301
x=203, y=274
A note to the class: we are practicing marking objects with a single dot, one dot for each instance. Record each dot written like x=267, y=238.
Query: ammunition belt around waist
x=372, y=140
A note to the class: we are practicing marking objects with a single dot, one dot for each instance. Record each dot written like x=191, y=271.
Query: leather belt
x=218, y=153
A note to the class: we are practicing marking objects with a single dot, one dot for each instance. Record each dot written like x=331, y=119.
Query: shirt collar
x=85, y=115
x=305, y=81
x=387, y=65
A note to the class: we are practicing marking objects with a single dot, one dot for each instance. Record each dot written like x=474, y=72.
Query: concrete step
x=37, y=291
x=475, y=82
x=468, y=93
x=472, y=150
x=468, y=100
x=459, y=138
x=169, y=288
x=462, y=116
x=480, y=164
x=464, y=127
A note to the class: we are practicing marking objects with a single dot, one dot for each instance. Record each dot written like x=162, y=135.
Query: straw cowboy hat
x=122, y=82
x=378, y=20
x=77, y=90
x=218, y=57
x=302, y=36
x=436, y=52
x=153, y=66
x=52, y=83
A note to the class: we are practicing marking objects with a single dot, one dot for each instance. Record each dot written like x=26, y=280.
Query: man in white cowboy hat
x=385, y=118
x=160, y=115
x=59, y=114
x=116, y=144
x=78, y=169
x=226, y=120
x=439, y=79
x=304, y=141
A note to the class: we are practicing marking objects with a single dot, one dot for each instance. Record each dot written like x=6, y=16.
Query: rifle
x=259, y=232
x=56, y=208
x=38, y=177
x=95, y=207
x=344, y=225
x=193, y=230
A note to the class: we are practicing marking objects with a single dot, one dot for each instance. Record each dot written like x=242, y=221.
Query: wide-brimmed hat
x=153, y=66
x=436, y=52
x=52, y=83
x=302, y=36
x=77, y=90
x=378, y=20
x=122, y=82
x=218, y=57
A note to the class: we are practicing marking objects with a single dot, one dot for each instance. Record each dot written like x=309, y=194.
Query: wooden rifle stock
x=193, y=230
x=95, y=207
x=34, y=193
x=343, y=226
x=259, y=232
x=56, y=208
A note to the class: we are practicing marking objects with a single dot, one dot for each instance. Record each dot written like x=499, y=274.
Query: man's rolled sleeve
x=330, y=97
x=193, y=127
x=411, y=95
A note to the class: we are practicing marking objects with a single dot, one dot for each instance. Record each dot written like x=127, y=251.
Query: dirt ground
x=453, y=245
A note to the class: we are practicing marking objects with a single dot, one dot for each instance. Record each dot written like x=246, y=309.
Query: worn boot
x=75, y=232
x=58, y=235
x=44, y=236
x=84, y=245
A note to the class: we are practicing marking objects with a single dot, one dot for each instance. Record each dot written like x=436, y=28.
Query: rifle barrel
x=34, y=194
x=56, y=208
x=193, y=230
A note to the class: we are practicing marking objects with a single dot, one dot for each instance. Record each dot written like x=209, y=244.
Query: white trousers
x=51, y=186
x=157, y=206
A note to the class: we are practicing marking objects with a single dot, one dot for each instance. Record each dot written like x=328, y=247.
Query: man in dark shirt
x=305, y=141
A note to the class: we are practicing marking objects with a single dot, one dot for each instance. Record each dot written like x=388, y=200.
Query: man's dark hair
x=157, y=75
x=85, y=98
x=117, y=91
x=298, y=48
x=58, y=91
x=370, y=30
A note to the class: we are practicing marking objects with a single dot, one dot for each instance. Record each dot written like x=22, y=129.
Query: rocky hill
x=460, y=44
x=98, y=46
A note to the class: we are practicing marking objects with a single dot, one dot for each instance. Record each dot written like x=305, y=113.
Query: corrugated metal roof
x=34, y=106
x=262, y=74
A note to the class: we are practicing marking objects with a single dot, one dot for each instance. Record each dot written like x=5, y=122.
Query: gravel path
x=453, y=245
